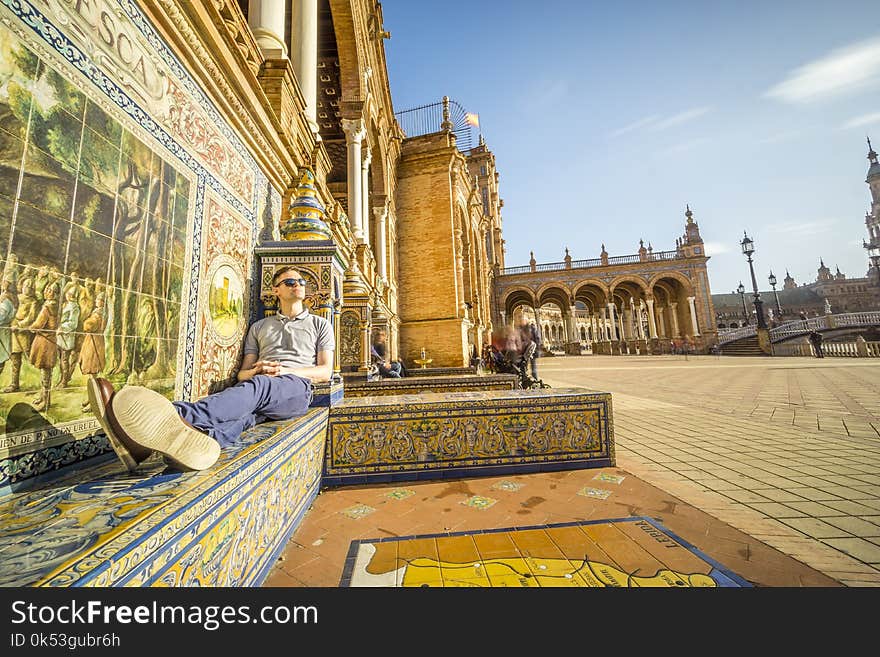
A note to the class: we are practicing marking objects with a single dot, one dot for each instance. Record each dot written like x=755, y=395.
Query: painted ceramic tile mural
x=114, y=165
x=93, y=242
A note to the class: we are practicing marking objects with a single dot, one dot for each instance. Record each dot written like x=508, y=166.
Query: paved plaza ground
x=770, y=466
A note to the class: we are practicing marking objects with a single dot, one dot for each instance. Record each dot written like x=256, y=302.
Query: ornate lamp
x=748, y=248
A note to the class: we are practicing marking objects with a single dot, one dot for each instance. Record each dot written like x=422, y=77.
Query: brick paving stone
x=692, y=435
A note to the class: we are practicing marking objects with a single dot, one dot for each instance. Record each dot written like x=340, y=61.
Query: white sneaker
x=152, y=422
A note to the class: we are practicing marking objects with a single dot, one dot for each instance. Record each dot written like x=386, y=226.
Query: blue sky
x=606, y=118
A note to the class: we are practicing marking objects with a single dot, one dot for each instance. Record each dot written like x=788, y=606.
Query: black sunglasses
x=290, y=282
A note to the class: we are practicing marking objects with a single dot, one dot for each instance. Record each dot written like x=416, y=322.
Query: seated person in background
x=379, y=357
x=284, y=354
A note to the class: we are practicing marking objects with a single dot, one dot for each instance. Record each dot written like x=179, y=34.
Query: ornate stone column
x=354, y=133
x=639, y=315
x=365, y=347
x=661, y=315
x=572, y=326
x=380, y=248
x=365, y=191
x=652, y=326
x=630, y=320
x=611, y=323
x=304, y=53
x=266, y=20
x=693, y=316
x=673, y=311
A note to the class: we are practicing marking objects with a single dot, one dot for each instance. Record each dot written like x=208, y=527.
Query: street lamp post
x=742, y=291
x=772, y=280
x=748, y=248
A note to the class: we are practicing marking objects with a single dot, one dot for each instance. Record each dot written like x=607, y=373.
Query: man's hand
x=250, y=367
x=267, y=367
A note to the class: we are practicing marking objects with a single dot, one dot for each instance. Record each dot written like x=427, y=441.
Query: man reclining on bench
x=283, y=355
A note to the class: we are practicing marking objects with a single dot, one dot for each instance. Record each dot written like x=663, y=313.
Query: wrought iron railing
x=427, y=119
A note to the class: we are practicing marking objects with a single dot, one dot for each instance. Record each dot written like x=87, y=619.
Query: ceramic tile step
x=455, y=434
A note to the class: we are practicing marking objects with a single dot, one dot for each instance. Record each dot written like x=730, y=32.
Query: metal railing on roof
x=427, y=119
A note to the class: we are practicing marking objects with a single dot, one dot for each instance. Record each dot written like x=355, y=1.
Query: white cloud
x=641, y=123
x=859, y=121
x=656, y=122
x=840, y=71
x=801, y=228
x=685, y=146
x=714, y=248
x=681, y=117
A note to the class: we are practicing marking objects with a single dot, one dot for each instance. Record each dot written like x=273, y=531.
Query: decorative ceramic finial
x=306, y=214
x=447, y=124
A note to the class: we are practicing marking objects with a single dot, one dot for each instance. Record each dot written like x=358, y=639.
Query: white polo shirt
x=292, y=341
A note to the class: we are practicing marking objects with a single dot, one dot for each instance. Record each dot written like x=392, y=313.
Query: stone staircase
x=743, y=347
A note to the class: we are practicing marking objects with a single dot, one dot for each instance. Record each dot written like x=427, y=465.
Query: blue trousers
x=226, y=414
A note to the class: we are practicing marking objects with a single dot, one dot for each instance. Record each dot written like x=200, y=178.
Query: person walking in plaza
x=529, y=335
x=816, y=341
x=284, y=354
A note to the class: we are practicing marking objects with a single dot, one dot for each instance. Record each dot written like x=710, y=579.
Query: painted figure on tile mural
x=8, y=303
x=92, y=356
x=44, y=348
x=66, y=336
x=10, y=270
x=22, y=336
x=40, y=281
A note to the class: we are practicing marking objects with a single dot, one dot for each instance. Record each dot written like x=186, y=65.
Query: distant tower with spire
x=823, y=273
x=788, y=283
x=691, y=244
x=872, y=218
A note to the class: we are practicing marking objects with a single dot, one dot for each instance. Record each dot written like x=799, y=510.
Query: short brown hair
x=283, y=270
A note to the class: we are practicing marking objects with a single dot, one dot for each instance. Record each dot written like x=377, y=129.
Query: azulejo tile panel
x=220, y=527
x=135, y=137
x=574, y=554
x=416, y=385
x=430, y=435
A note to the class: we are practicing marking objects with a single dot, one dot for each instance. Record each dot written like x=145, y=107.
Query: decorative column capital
x=367, y=157
x=354, y=130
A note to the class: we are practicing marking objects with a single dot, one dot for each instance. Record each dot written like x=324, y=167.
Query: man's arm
x=317, y=373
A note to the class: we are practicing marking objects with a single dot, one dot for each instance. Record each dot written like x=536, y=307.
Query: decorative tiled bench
x=225, y=526
x=440, y=371
x=329, y=393
x=415, y=384
x=460, y=434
